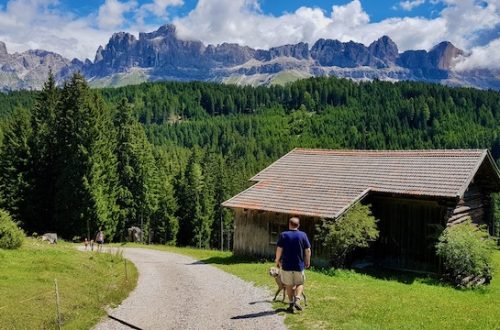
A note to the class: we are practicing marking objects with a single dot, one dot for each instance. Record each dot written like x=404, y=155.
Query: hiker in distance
x=293, y=255
x=99, y=238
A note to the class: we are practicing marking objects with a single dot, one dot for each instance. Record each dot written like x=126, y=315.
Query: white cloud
x=112, y=11
x=410, y=4
x=39, y=24
x=157, y=8
x=350, y=15
x=484, y=57
x=234, y=21
x=466, y=18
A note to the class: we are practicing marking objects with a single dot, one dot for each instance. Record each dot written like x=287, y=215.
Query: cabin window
x=275, y=230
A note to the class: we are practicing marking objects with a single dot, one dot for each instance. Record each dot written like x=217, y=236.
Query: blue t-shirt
x=293, y=242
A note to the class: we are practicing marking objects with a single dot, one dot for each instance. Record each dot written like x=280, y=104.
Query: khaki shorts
x=292, y=277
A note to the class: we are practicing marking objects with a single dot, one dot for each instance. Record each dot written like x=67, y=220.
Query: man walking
x=293, y=254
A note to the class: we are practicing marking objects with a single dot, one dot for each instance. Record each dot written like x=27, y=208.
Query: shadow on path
x=261, y=302
x=229, y=260
x=260, y=314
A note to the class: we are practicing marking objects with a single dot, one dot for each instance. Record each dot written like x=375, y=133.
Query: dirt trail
x=177, y=292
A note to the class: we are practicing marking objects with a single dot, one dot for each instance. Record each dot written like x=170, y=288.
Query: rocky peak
x=385, y=49
x=443, y=54
x=345, y=55
x=414, y=59
x=299, y=51
x=121, y=40
x=166, y=31
x=321, y=44
x=3, y=48
x=229, y=53
x=98, y=54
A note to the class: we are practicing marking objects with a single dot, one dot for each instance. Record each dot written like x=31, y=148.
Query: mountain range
x=161, y=55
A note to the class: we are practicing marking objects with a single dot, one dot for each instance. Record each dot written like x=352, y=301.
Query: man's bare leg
x=299, y=289
x=290, y=293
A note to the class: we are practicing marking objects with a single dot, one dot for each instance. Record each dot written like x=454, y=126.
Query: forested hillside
x=75, y=159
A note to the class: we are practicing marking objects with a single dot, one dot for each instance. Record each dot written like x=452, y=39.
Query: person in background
x=293, y=254
x=99, y=238
x=86, y=243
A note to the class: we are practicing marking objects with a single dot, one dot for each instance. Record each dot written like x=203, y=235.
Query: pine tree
x=15, y=157
x=103, y=178
x=164, y=223
x=84, y=188
x=194, y=205
x=44, y=153
x=137, y=199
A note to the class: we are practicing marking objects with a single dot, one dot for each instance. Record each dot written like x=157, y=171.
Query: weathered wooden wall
x=250, y=233
x=255, y=232
x=475, y=205
x=408, y=232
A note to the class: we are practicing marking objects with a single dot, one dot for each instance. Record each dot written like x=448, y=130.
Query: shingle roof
x=324, y=183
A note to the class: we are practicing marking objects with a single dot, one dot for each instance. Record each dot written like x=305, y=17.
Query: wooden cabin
x=412, y=193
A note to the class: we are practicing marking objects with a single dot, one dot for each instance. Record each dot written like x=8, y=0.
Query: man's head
x=293, y=223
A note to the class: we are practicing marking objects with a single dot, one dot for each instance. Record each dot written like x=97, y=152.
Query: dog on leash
x=275, y=273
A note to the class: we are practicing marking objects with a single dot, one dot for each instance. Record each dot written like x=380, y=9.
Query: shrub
x=11, y=237
x=355, y=229
x=466, y=251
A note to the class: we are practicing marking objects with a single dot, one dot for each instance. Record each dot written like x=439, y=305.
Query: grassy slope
x=121, y=79
x=349, y=300
x=87, y=283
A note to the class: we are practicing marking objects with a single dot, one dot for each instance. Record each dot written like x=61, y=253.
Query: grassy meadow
x=372, y=300
x=88, y=282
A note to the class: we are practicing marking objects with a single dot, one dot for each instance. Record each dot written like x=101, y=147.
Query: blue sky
x=77, y=28
x=376, y=9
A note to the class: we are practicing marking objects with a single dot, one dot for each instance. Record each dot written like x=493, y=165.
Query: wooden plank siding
x=256, y=232
x=408, y=232
x=472, y=206
x=475, y=204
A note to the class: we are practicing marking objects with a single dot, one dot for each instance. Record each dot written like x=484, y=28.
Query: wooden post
x=126, y=272
x=221, y=232
x=58, y=314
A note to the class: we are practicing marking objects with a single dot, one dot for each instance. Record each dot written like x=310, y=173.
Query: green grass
x=372, y=300
x=285, y=77
x=120, y=79
x=88, y=282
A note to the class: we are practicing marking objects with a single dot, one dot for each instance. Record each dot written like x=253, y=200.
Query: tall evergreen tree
x=85, y=166
x=194, y=205
x=137, y=200
x=164, y=223
x=44, y=153
x=15, y=156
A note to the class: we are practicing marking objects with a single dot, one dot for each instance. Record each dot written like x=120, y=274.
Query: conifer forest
x=164, y=156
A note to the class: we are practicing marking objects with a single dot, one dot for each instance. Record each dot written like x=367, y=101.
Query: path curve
x=178, y=292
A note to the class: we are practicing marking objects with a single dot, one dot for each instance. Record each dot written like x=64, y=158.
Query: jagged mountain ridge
x=161, y=55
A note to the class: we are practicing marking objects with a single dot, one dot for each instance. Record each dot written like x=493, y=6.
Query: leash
x=124, y=322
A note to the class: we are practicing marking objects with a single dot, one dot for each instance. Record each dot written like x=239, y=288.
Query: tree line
x=163, y=156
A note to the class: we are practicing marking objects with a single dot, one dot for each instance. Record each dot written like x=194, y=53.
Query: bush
x=355, y=229
x=11, y=237
x=466, y=251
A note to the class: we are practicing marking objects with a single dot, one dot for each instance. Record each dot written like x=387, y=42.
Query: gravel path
x=177, y=292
